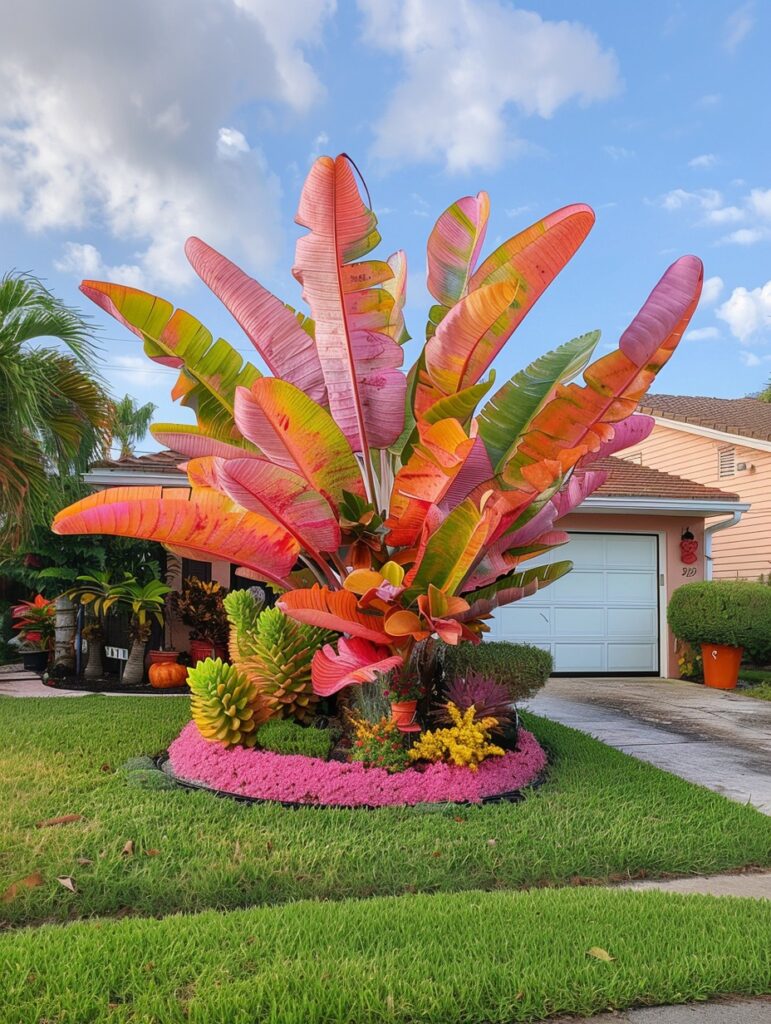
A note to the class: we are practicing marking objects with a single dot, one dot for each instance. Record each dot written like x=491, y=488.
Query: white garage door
x=603, y=616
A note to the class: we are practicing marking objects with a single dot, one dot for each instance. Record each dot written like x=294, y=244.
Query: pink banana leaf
x=202, y=522
x=297, y=434
x=626, y=433
x=359, y=359
x=474, y=471
x=454, y=246
x=579, y=419
x=355, y=661
x=287, y=348
x=191, y=441
x=396, y=287
x=333, y=609
x=512, y=587
x=496, y=563
x=285, y=498
x=209, y=372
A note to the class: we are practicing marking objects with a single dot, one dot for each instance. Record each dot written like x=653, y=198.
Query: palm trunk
x=64, y=643
x=134, y=672
x=94, y=665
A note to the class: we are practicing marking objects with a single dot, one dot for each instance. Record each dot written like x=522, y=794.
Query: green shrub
x=731, y=612
x=283, y=736
x=521, y=668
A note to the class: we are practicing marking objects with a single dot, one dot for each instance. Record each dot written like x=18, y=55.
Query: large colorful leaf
x=209, y=372
x=355, y=661
x=626, y=433
x=396, y=287
x=285, y=498
x=203, y=523
x=193, y=442
x=512, y=587
x=454, y=246
x=359, y=359
x=507, y=415
x=333, y=609
x=296, y=433
x=287, y=348
x=579, y=419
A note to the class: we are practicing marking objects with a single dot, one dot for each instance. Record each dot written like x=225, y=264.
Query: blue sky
x=123, y=129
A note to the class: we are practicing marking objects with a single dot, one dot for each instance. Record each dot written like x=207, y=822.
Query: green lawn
x=460, y=955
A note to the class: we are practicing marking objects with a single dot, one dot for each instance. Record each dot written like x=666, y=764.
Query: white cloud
x=748, y=313
x=754, y=211
x=738, y=26
x=750, y=359
x=618, y=152
x=703, y=334
x=466, y=66
x=709, y=100
x=724, y=215
x=711, y=290
x=679, y=198
x=745, y=236
x=704, y=160
x=760, y=202
x=85, y=261
x=319, y=147
x=118, y=118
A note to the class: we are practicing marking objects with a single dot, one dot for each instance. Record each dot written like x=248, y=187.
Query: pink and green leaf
x=356, y=661
x=333, y=609
x=454, y=246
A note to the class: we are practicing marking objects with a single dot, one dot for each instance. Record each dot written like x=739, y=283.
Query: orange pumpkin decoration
x=166, y=675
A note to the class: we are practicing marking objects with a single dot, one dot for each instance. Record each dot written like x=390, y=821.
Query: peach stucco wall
x=669, y=529
x=744, y=551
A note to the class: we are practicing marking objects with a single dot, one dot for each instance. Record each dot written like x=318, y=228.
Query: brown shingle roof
x=625, y=479
x=631, y=480
x=748, y=417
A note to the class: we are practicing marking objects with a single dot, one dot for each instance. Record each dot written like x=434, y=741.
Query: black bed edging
x=512, y=796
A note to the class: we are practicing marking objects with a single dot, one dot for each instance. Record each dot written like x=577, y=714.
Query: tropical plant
x=225, y=704
x=53, y=407
x=521, y=668
x=276, y=654
x=200, y=605
x=379, y=744
x=129, y=424
x=465, y=743
x=34, y=622
x=98, y=593
x=411, y=516
x=146, y=603
x=488, y=698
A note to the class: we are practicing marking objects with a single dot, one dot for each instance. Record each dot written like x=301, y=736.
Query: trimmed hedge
x=521, y=668
x=731, y=612
x=283, y=736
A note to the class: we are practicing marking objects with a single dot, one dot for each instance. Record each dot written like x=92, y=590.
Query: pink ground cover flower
x=307, y=780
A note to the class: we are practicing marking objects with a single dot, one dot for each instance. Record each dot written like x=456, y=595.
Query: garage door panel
x=579, y=657
x=601, y=617
x=632, y=658
x=623, y=623
x=631, y=586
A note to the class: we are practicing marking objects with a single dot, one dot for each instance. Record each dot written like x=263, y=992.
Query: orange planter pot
x=403, y=713
x=721, y=665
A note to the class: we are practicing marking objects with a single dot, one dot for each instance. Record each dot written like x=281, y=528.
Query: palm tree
x=54, y=409
x=146, y=602
x=130, y=422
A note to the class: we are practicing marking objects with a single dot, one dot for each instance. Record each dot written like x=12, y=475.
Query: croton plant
x=386, y=506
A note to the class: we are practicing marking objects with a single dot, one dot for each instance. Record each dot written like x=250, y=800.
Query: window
x=191, y=567
x=726, y=462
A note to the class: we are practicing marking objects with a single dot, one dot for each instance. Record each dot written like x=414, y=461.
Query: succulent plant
x=275, y=653
x=489, y=698
x=226, y=705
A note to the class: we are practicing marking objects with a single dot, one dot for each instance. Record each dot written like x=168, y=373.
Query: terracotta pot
x=162, y=657
x=403, y=712
x=721, y=665
x=200, y=650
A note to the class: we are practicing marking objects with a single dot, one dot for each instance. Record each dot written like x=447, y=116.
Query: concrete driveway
x=717, y=738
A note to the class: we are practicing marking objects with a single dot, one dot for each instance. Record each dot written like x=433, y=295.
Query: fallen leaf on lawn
x=30, y=882
x=105, y=768
x=152, y=853
x=84, y=861
x=601, y=954
x=67, y=882
x=492, y=842
x=128, y=849
x=63, y=819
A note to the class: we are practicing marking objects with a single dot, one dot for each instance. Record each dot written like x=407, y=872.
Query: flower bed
x=306, y=780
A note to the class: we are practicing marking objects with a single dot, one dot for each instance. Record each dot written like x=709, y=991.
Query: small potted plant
x=404, y=692
x=722, y=617
x=200, y=606
x=166, y=654
x=35, y=622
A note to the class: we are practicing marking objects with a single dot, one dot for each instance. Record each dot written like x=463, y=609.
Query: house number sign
x=119, y=653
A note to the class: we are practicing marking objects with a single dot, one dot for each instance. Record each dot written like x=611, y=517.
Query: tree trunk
x=134, y=672
x=94, y=665
x=64, y=642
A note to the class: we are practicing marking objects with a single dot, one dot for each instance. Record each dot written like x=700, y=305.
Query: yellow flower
x=466, y=743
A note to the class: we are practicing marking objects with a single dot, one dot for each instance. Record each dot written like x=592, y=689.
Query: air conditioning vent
x=726, y=462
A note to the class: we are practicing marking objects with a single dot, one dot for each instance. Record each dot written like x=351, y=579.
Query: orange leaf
x=63, y=819
x=30, y=882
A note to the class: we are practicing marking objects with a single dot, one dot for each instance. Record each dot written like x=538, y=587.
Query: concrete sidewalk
x=732, y=1011
x=716, y=738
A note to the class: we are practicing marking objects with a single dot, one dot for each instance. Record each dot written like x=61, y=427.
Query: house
x=608, y=616
x=719, y=442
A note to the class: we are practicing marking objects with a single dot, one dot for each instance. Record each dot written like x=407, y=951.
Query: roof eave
x=639, y=505
x=99, y=478
x=742, y=440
